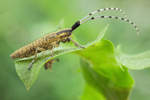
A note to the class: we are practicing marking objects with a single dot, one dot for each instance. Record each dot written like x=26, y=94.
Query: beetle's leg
x=49, y=64
x=75, y=43
x=51, y=53
x=36, y=51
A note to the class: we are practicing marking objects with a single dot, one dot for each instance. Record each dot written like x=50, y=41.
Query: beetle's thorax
x=64, y=34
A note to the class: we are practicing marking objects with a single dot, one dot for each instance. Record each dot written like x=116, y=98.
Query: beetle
x=52, y=40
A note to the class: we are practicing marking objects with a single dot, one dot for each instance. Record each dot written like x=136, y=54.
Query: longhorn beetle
x=52, y=40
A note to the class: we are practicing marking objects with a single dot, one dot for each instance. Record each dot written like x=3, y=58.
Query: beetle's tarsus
x=31, y=64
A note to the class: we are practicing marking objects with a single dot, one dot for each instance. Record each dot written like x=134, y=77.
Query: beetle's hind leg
x=49, y=64
x=36, y=51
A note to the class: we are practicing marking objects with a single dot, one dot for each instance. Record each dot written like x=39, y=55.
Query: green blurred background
x=23, y=21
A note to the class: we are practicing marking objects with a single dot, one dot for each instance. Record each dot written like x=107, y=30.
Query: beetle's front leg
x=75, y=43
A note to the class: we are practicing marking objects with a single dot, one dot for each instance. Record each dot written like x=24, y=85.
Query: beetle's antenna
x=113, y=18
x=100, y=10
x=78, y=23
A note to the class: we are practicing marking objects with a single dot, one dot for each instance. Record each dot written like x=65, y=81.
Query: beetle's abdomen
x=25, y=51
x=45, y=42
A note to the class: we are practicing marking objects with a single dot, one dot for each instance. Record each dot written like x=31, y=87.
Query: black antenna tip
x=77, y=24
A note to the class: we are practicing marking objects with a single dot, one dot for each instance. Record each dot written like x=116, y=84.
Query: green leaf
x=91, y=94
x=101, y=68
x=103, y=73
x=29, y=77
x=137, y=62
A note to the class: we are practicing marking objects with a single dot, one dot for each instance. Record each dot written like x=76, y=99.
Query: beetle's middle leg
x=36, y=51
x=51, y=52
